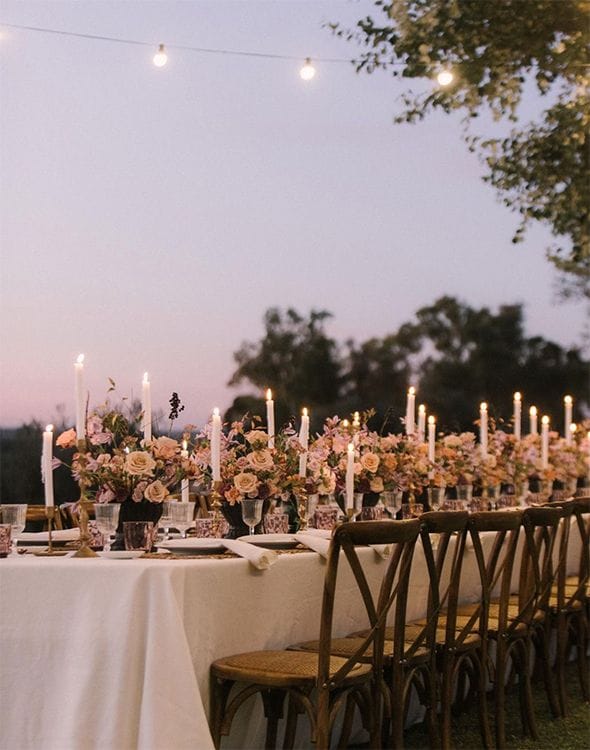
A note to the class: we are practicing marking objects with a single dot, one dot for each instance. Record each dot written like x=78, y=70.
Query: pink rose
x=67, y=439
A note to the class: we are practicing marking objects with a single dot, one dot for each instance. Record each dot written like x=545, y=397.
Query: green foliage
x=455, y=354
x=494, y=49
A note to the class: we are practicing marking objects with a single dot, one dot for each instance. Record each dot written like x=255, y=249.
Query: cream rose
x=156, y=492
x=246, y=483
x=67, y=439
x=260, y=460
x=164, y=447
x=256, y=436
x=370, y=462
x=139, y=463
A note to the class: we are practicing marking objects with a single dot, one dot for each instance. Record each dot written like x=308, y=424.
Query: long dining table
x=107, y=654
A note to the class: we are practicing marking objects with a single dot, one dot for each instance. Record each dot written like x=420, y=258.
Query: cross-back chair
x=318, y=684
x=513, y=618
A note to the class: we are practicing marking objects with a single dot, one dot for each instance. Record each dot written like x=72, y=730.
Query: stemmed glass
x=251, y=513
x=16, y=516
x=107, y=520
x=165, y=519
x=181, y=516
x=392, y=500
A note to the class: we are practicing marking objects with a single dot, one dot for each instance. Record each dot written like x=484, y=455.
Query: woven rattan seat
x=318, y=684
x=265, y=666
x=347, y=647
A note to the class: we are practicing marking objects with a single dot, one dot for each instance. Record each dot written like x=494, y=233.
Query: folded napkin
x=42, y=537
x=315, y=542
x=323, y=533
x=258, y=556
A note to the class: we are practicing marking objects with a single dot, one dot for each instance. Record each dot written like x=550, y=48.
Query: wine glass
x=165, y=519
x=392, y=499
x=251, y=513
x=16, y=516
x=181, y=516
x=107, y=520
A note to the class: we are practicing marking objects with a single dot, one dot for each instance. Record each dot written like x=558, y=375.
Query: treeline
x=456, y=356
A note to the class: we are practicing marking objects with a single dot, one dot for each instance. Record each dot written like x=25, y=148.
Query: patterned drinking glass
x=107, y=520
x=138, y=535
x=16, y=516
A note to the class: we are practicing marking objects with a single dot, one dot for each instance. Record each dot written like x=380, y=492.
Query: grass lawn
x=572, y=733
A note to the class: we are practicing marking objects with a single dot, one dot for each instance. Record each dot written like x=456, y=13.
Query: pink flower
x=67, y=439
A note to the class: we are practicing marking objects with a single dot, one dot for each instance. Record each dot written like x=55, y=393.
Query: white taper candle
x=146, y=408
x=80, y=397
x=46, y=465
x=517, y=403
x=270, y=418
x=350, y=477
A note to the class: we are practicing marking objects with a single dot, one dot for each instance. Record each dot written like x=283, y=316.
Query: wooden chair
x=568, y=603
x=513, y=619
x=422, y=659
x=36, y=514
x=337, y=680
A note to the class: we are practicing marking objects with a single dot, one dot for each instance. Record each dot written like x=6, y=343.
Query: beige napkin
x=42, y=537
x=257, y=556
x=314, y=542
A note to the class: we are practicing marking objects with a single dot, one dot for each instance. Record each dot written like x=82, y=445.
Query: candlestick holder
x=302, y=509
x=216, y=506
x=84, y=550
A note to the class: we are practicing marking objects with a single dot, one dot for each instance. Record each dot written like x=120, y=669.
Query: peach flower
x=370, y=462
x=156, y=492
x=138, y=463
x=67, y=439
x=246, y=483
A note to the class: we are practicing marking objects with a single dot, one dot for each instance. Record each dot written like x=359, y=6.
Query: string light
x=160, y=58
x=445, y=78
x=307, y=72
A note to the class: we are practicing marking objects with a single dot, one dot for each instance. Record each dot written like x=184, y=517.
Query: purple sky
x=150, y=216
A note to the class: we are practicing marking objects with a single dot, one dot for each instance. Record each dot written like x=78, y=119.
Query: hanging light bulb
x=445, y=77
x=160, y=58
x=307, y=72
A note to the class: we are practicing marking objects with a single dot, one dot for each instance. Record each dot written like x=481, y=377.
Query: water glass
x=16, y=516
x=251, y=512
x=392, y=499
x=139, y=535
x=326, y=517
x=211, y=527
x=107, y=520
x=454, y=505
x=5, y=543
x=436, y=497
x=165, y=520
x=181, y=516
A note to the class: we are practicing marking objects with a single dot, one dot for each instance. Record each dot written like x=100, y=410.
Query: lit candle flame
x=49, y=428
x=216, y=412
x=304, y=412
x=483, y=406
x=431, y=419
x=533, y=411
x=351, y=447
x=184, y=445
x=567, y=400
x=573, y=428
x=545, y=420
x=422, y=409
x=145, y=377
x=80, y=359
x=411, y=391
x=517, y=396
x=268, y=394
x=345, y=422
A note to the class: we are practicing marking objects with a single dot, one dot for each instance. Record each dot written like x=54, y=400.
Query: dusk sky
x=150, y=216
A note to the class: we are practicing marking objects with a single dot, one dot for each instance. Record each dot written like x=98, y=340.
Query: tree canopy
x=456, y=355
x=495, y=49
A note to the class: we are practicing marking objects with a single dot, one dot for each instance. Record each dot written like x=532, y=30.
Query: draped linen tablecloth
x=115, y=654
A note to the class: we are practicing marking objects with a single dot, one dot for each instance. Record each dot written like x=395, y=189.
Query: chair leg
x=220, y=690
x=273, y=710
x=480, y=663
x=446, y=701
x=347, y=722
x=526, y=691
x=322, y=741
x=291, y=724
x=500, y=694
x=561, y=662
x=582, y=639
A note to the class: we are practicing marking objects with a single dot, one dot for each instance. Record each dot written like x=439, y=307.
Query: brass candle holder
x=216, y=505
x=302, y=509
x=85, y=506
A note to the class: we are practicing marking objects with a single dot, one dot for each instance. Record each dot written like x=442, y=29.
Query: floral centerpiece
x=457, y=459
x=118, y=465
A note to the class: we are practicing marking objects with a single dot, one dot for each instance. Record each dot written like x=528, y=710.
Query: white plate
x=123, y=554
x=192, y=546
x=279, y=541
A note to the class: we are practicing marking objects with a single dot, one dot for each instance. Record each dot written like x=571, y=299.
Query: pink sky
x=149, y=217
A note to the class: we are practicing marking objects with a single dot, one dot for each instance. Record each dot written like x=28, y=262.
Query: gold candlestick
x=302, y=509
x=216, y=505
x=84, y=550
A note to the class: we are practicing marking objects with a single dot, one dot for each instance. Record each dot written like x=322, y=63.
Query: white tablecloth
x=115, y=654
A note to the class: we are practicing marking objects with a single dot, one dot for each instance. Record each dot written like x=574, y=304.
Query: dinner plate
x=123, y=554
x=192, y=546
x=276, y=541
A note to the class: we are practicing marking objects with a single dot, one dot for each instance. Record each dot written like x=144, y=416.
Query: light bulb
x=307, y=72
x=160, y=58
x=445, y=77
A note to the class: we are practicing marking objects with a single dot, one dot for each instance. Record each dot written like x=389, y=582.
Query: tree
x=474, y=355
x=297, y=359
x=494, y=48
x=456, y=355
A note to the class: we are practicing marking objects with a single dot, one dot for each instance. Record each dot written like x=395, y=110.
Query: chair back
x=495, y=564
x=448, y=529
x=36, y=514
x=581, y=512
x=538, y=567
x=402, y=536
